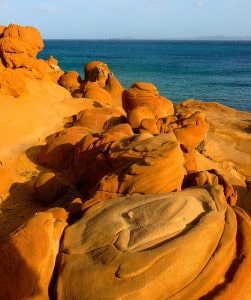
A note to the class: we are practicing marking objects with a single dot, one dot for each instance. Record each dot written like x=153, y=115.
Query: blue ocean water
x=205, y=70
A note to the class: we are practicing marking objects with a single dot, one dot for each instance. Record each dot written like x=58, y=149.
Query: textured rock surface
x=28, y=256
x=122, y=242
x=146, y=93
x=19, y=45
x=59, y=145
x=101, y=84
x=99, y=119
x=141, y=253
x=71, y=81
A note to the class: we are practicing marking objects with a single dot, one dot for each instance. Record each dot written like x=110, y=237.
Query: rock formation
x=119, y=195
x=156, y=247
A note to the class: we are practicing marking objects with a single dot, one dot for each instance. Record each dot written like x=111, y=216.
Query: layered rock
x=141, y=252
x=145, y=93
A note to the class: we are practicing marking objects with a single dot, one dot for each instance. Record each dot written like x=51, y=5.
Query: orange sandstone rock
x=12, y=83
x=48, y=188
x=192, y=130
x=57, y=150
x=19, y=46
x=99, y=119
x=93, y=91
x=28, y=256
x=154, y=247
x=137, y=114
x=99, y=77
x=146, y=93
x=71, y=80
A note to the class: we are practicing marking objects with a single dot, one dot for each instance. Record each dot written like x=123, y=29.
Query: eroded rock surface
x=152, y=247
x=149, y=189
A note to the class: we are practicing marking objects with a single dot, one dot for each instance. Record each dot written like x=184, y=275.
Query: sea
x=212, y=71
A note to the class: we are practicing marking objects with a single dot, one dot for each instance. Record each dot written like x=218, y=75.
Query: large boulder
x=71, y=81
x=147, y=94
x=28, y=257
x=93, y=91
x=100, y=76
x=157, y=247
x=56, y=152
x=99, y=119
x=20, y=45
x=142, y=164
x=191, y=130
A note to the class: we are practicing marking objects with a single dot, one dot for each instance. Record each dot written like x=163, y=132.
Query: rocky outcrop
x=19, y=46
x=100, y=84
x=139, y=189
x=31, y=83
x=99, y=119
x=147, y=94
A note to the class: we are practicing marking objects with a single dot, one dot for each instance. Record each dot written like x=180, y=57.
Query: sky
x=139, y=19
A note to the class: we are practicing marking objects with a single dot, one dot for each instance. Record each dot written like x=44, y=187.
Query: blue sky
x=146, y=19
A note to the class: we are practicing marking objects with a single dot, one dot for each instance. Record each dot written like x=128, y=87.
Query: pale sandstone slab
x=148, y=247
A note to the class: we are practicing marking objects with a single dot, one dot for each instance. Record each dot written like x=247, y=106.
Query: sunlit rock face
x=170, y=246
x=101, y=84
x=20, y=45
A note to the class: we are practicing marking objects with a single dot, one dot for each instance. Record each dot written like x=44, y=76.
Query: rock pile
x=133, y=202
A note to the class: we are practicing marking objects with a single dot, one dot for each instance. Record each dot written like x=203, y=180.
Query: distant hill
x=222, y=38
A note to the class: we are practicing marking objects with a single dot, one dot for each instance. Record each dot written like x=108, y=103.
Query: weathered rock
x=96, y=71
x=49, y=187
x=101, y=77
x=90, y=160
x=12, y=83
x=114, y=87
x=193, y=128
x=137, y=114
x=155, y=247
x=28, y=256
x=147, y=94
x=226, y=146
x=71, y=81
x=93, y=91
x=20, y=45
x=213, y=177
x=149, y=125
x=57, y=150
x=6, y=179
x=142, y=165
x=99, y=119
